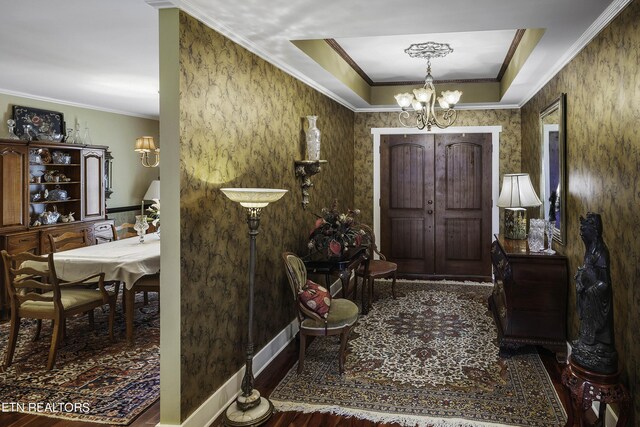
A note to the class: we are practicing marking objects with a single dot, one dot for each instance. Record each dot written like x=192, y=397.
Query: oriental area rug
x=427, y=358
x=94, y=380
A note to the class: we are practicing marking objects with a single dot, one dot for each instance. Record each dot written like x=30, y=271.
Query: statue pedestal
x=587, y=387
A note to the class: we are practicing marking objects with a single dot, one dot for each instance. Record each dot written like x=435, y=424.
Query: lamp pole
x=249, y=409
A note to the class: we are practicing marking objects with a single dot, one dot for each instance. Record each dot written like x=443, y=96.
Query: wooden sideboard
x=529, y=298
x=30, y=172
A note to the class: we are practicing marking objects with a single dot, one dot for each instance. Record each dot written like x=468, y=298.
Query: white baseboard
x=224, y=396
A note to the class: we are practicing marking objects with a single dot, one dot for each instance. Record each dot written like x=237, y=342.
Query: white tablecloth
x=124, y=260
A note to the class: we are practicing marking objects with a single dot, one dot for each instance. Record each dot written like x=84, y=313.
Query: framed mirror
x=553, y=178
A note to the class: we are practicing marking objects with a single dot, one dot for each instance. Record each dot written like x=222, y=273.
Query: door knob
x=430, y=202
x=429, y=211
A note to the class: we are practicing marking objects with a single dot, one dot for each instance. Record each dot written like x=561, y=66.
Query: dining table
x=125, y=260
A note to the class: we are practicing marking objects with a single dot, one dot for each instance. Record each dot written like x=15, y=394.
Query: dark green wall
x=603, y=167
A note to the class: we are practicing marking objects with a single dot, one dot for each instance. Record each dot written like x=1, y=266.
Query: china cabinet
x=49, y=188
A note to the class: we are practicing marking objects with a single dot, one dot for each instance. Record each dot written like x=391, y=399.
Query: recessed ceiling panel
x=476, y=55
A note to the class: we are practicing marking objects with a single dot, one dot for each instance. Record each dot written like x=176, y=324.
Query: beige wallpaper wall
x=603, y=156
x=241, y=125
x=117, y=131
x=363, y=145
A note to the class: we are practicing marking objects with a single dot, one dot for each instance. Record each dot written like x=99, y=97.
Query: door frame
x=495, y=165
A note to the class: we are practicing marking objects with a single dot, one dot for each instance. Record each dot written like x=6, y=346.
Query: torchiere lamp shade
x=517, y=193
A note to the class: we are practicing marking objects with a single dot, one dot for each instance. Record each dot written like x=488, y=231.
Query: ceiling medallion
x=423, y=99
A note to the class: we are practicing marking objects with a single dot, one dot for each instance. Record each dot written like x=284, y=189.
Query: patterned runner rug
x=428, y=358
x=94, y=380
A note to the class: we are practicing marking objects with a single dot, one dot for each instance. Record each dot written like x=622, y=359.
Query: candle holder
x=141, y=226
x=250, y=409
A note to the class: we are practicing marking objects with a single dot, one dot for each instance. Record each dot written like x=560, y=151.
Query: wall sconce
x=145, y=145
x=305, y=169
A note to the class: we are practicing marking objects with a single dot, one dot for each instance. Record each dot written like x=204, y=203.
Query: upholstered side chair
x=341, y=317
x=36, y=292
x=378, y=268
x=123, y=231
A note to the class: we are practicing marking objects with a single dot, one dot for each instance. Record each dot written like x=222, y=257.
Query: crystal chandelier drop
x=423, y=99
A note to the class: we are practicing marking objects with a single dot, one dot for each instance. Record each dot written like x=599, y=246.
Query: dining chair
x=36, y=292
x=146, y=284
x=378, y=268
x=68, y=240
x=341, y=316
x=123, y=231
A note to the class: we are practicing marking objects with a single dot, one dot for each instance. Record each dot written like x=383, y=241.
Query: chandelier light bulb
x=443, y=104
x=417, y=106
x=404, y=99
x=451, y=96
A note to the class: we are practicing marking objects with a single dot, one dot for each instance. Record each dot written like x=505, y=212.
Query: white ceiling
x=104, y=53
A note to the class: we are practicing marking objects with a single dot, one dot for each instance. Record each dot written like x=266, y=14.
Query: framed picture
x=42, y=125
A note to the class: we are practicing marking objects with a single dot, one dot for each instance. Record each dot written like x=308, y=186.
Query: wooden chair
x=343, y=313
x=146, y=284
x=35, y=292
x=123, y=231
x=378, y=268
x=69, y=240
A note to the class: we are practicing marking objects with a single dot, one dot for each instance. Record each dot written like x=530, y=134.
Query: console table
x=529, y=298
x=342, y=267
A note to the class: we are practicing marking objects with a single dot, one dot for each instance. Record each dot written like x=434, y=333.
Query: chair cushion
x=316, y=298
x=342, y=313
x=71, y=298
x=378, y=267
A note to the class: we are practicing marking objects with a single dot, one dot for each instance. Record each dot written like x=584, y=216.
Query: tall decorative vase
x=313, y=139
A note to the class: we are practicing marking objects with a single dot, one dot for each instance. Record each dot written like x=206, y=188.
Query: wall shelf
x=305, y=169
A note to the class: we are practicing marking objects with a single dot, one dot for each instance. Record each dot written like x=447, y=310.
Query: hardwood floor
x=266, y=382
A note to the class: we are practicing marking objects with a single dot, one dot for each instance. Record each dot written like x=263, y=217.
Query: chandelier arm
x=448, y=118
x=404, y=114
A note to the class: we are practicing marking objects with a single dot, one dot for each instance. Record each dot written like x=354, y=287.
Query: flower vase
x=313, y=139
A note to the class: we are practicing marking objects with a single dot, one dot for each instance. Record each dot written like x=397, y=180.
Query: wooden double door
x=436, y=204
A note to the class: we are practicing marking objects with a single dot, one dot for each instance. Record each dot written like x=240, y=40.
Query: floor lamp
x=250, y=409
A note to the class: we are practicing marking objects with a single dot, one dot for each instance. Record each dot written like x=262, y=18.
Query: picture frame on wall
x=38, y=124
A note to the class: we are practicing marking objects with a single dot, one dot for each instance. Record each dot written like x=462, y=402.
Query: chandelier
x=423, y=99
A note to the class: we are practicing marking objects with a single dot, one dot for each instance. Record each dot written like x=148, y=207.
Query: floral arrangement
x=335, y=231
x=155, y=212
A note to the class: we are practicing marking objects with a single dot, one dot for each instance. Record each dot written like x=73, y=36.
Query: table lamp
x=250, y=409
x=517, y=193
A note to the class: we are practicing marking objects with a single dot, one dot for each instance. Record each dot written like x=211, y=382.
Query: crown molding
x=76, y=104
x=594, y=29
x=458, y=108
x=163, y=4
x=218, y=26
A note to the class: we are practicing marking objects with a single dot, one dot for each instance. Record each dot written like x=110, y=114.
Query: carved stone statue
x=595, y=347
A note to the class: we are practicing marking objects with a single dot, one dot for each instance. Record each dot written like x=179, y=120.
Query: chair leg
x=302, y=351
x=56, y=338
x=393, y=285
x=91, y=319
x=36, y=335
x=344, y=337
x=13, y=338
x=112, y=315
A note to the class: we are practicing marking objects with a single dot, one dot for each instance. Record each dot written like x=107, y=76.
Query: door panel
x=463, y=204
x=406, y=198
x=436, y=204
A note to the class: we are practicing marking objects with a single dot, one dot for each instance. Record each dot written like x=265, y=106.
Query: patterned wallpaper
x=363, y=165
x=603, y=163
x=242, y=125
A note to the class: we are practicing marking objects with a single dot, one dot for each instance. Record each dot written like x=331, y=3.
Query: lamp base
x=235, y=417
x=515, y=223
